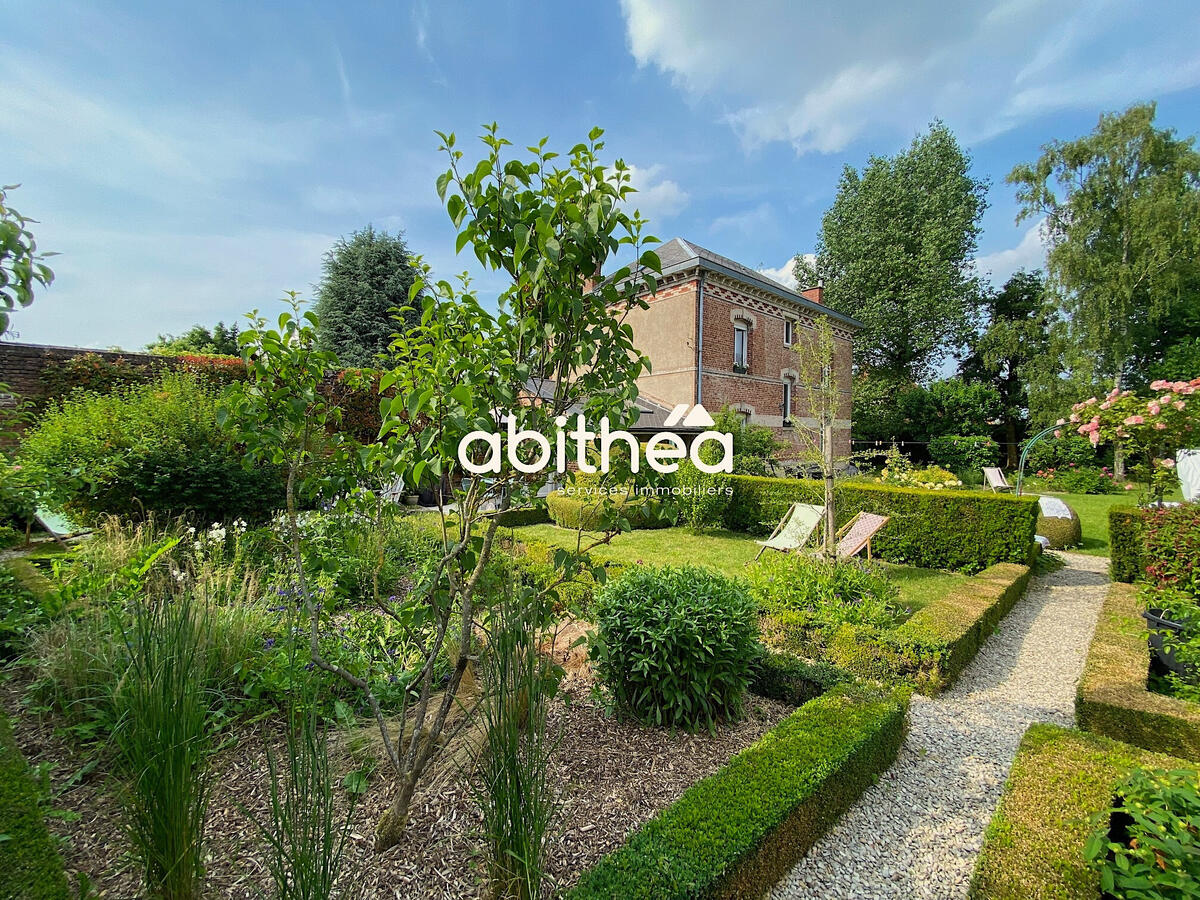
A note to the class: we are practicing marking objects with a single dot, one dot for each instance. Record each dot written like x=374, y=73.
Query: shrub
x=1150, y=847
x=810, y=592
x=1062, y=453
x=739, y=831
x=898, y=471
x=1171, y=544
x=583, y=512
x=148, y=448
x=1112, y=698
x=790, y=679
x=960, y=453
x=702, y=496
x=1125, y=525
x=675, y=646
x=29, y=860
x=959, y=530
x=1080, y=480
x=1061, y=531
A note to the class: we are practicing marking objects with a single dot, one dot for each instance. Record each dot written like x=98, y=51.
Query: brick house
x=721, y=334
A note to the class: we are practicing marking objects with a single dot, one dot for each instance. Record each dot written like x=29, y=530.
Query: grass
x=1092, y=510
x=728, y=552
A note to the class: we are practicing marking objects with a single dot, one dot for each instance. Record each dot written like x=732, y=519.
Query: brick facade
x=667, y=333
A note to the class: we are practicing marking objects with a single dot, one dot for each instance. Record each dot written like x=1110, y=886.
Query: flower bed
x=1060, y=784
x=1113, y=698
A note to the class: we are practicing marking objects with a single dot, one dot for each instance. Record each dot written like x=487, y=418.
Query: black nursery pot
x=1118, y=833
x=1162, y=660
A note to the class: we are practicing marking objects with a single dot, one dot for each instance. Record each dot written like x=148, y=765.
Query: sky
x=191, y=162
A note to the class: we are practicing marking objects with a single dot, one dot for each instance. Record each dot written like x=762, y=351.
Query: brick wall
x=21, y=365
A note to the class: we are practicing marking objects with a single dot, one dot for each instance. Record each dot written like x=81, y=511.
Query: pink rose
x=1128, y=486
x=1160, y=426
x=1094, y=437
x=1058, y=432
x=1167, y=463
x=1061, y=422
x=1154, y=409
x=1074, y=417
x=1159, y=385
x=1105, y=405
x=1179, y=404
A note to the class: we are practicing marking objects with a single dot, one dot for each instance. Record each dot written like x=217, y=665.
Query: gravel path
x=917, y=832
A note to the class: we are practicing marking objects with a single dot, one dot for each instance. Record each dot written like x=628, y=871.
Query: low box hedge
x=958, y=530
x=1125, y=548
x=577, y=512
x=1060, y=784
x=30, y=867
x=1112, y=698
x=737, y=832
x=932, y=647
x=536, y=514
x=790, y=679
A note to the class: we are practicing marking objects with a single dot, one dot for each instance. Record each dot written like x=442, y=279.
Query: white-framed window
x=743, y=417
x=741, y=347
x=789, y=332
x=787, y=402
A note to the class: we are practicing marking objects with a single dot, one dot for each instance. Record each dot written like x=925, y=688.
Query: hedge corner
x=1113, y=699
x=1126, y=562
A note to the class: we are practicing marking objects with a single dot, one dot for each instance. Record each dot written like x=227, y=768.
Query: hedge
x=790, y=679
x=959, y=530
x=1126, y=554
x=1060, y=784
x=1112, y=698
x=932, y=647
x=737, y=832
x=537, y=514
x=575, y=512
x=30, y=867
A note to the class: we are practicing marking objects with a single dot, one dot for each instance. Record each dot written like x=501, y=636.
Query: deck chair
x=996, y=480
x=857, y=534
x=794, y=529
x=57, y=525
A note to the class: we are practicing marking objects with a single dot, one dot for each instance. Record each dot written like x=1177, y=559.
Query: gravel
x=917, y=832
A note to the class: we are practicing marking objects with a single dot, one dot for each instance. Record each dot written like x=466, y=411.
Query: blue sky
x=192, y=161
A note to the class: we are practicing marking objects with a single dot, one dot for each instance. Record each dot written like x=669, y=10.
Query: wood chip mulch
x=613, y=776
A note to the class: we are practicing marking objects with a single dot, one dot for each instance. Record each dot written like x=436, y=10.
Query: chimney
x=815, y=294
x=593, y=281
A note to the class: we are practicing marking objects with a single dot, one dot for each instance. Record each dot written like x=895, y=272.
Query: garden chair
x=57, y=525
x=794, y=529
x=996, y=480
x=857, y=534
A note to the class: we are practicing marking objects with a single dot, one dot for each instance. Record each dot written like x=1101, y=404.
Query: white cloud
x=821, y=75
x=1029, y=254
x=749, y=222
x=784, y=275
x=657, y=197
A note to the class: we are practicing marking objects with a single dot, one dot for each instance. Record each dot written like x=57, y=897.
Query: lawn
x=728, y=552
x=1093, y=515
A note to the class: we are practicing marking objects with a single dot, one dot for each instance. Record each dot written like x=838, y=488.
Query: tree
x=22, y=266
x=1014, y=338
x=895, y=251
x=1121, y=213
x=222, y=340
x=366, y=280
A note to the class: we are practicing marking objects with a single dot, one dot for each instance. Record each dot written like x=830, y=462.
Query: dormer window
x=741, y=348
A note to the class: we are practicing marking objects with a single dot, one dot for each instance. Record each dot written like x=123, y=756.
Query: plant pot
x=1162, y=659
x=410, y=499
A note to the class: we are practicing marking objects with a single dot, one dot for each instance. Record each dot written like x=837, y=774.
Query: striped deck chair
x=996, y=480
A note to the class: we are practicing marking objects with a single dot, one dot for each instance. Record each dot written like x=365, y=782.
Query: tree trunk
x=390, y=830
x=1118, y=452
x=1010, y=436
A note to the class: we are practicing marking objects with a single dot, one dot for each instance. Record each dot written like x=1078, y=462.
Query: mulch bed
x=613, y=776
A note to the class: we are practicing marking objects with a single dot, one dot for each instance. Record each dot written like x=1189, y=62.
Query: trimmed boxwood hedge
x=1059, y=786
x=932, y=647
x=1112, y=698
x=790, y=679
x=537, y=514
x=575, y=512
x=960, y=530
x=1126, y=553
x=30, y=867
x=737, y=832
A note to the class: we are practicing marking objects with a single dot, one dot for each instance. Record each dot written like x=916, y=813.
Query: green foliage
x=814, y=593
x=754, y=446
x=894, y=252
x=1113, y=698
x=21, y=610
x=221, y=340
x=1125, y=524
x=887, y=409
x=365, y=281
x=1079, y=480
x=790, y=679
x=163, y=746
x=1118, y=208
x=739, y=831
x=1062, y=452
x=1060, y=784
x=675, y=646
x=1171, y=543
x=958, y=530
x=898, y=471
x=154, y=448
x=964, y=453
x=30, y=867
x=1155, y=854
x=598, y=515
x=22, y=266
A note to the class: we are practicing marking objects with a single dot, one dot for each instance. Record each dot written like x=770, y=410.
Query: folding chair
x=857, y=534
x=996, y=480
x=794, y=529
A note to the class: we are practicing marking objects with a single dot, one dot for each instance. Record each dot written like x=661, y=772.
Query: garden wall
x=959, y=530
x=1112, y=698
x=737, y=832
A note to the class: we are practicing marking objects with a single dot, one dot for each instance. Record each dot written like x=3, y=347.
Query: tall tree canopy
x=221, y=339
x=896, y=251
x=1013, y=339
x=365, y=278
x=1121, y=214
